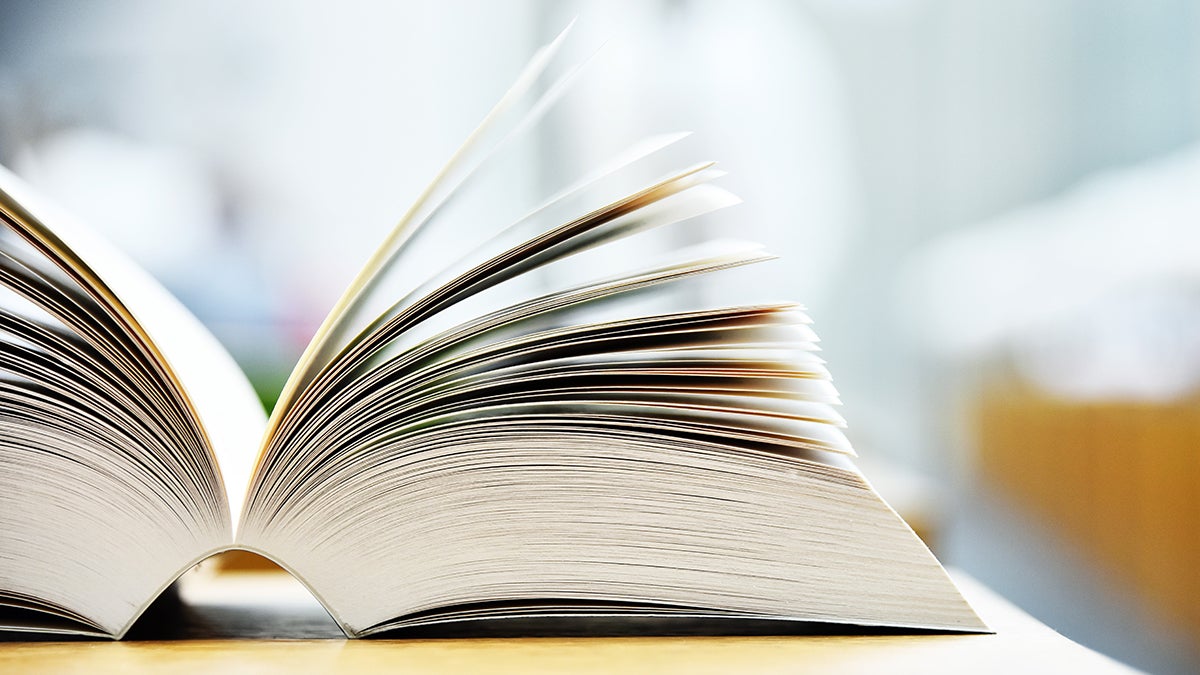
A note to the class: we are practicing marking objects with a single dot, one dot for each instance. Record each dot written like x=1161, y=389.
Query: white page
x=229, y=411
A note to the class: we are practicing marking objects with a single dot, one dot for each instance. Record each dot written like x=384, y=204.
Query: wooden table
x=267, y=623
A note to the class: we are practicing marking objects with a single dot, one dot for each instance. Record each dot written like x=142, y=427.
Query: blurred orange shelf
x=1121, y=480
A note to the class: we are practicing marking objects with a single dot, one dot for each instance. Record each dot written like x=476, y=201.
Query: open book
x=445, y=451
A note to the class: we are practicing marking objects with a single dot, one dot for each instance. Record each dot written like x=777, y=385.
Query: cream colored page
x=332, y=334
x=230, y=413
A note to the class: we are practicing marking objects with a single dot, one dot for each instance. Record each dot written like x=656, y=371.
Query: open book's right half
x=472, y=454
x=498, y=425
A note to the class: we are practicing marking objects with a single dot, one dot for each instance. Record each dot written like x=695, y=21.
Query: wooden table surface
x=267, y=623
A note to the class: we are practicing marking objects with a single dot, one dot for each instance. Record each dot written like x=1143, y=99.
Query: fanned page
x=338, y=324
x=483, y=447
x=111, y=488
x=208, y=380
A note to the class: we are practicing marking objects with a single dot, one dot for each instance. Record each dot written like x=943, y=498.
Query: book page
x=213, y=386
x=338, y=325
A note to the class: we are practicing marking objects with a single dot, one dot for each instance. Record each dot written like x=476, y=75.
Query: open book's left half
x=108, y=481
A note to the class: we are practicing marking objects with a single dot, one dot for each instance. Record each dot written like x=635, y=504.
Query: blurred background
x=990, y=209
